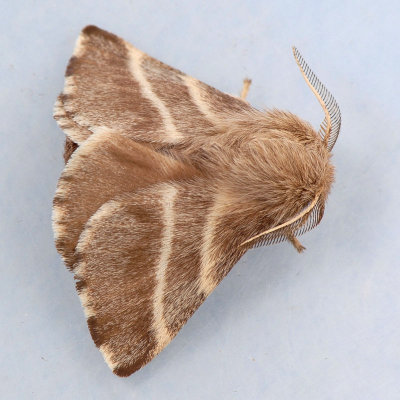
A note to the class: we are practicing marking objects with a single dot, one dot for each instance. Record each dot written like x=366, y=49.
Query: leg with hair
x=295, y=242
x=245, y=88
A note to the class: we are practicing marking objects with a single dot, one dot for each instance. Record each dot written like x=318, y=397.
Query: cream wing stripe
x=135, y=68
x=84, y=241
x=160, y=328
x=196, y=93
x=207, y=256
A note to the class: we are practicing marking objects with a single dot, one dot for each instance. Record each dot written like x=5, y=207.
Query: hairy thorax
x=274, y=164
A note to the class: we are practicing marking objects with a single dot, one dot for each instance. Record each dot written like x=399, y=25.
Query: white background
x=320, y=325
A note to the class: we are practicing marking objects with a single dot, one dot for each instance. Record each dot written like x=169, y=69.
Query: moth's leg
x=295, y=242
x=245, y=88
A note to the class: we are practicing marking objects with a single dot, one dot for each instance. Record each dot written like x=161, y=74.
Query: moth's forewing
x=146, y=262
x=111, y=84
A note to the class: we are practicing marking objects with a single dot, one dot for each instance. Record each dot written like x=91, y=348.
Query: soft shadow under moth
x=167, y=183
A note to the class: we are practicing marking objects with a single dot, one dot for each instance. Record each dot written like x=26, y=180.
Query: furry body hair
x=167, y=183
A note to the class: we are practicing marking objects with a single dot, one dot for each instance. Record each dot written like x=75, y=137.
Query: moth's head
x=303, y=173
x=278, y=171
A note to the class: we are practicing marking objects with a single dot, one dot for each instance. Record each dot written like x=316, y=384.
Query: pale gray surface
x=321, y=325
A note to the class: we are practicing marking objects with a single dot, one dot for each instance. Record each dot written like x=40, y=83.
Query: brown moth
x=167, y=183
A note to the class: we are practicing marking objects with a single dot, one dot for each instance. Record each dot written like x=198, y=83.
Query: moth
x=167, y=183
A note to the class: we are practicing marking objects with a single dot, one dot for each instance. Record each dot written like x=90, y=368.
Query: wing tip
x=123, y=371
x=95, y=31
x=91, y=320
x=91, y=29
x=120, y=369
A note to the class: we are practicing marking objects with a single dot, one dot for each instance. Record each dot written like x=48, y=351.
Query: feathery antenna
x=291, y=226
x=330, y=127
